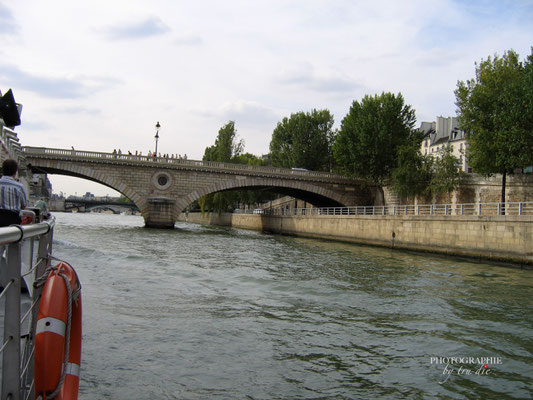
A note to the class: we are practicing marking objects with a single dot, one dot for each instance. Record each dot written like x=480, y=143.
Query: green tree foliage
x=249, y=159
x=124, y=199
x=425, y=175
x=370, y=136
x=414, y=172
x=495, y=109
x=446, y=174
x=304, y=141
x=226, y=146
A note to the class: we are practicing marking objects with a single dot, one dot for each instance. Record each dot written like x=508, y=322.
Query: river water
x=203, y=312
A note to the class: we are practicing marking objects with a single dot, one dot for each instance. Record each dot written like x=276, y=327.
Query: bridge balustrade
x=78, y=154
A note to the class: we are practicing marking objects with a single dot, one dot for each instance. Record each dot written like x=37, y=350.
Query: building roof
x=444, y=130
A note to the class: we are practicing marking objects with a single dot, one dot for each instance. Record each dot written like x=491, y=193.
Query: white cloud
x=248, y=112
x=46, y=86
x=8, y=26
x=189, y=40
x=334, y=82
x=147, y=27
x=54, y=86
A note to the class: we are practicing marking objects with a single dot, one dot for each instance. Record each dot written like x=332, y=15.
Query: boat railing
x=25, y=254
x=424, y=210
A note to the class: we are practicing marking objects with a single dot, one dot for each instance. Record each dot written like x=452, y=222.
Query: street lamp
x=157, y=126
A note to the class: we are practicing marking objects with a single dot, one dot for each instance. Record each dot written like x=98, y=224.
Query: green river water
x=202, y=312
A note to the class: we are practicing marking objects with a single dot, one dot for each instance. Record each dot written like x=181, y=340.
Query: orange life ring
x=50, y=337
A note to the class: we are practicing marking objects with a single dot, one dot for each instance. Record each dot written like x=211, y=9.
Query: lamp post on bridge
x=157, y=126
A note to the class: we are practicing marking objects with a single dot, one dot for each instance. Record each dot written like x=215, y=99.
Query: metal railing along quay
x=431, y=210
x=25, y=255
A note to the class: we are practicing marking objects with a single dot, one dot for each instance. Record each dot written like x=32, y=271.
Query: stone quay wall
x=500, y=238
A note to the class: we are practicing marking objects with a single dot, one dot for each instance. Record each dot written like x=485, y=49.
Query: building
x=40, y=187
x=445, y=132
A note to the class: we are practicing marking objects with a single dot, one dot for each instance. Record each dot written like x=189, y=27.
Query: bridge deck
x=176, y=163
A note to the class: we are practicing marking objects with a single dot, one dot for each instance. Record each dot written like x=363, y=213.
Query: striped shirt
x=13, y=196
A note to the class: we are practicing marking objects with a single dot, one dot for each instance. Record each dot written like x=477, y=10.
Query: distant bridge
x=163, y=187
x=82, y=203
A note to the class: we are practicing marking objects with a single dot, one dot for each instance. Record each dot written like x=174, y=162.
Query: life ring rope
x=39, y=282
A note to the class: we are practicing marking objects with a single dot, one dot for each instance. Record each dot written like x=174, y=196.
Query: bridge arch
x=86, y=172
x=314, y=194
x=104, y=208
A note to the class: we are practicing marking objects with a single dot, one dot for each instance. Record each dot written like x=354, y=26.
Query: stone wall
x=479, y=189
x=500, y=238
x=56, y=204
x=475, y=189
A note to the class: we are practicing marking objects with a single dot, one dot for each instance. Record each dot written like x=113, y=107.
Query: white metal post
x=11, y=353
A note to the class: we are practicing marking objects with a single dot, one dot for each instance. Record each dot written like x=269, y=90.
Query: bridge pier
x=160, y=213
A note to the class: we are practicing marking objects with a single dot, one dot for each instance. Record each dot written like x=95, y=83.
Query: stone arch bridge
x=163, y=187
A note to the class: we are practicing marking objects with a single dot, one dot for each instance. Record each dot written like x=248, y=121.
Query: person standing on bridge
x=13, y=196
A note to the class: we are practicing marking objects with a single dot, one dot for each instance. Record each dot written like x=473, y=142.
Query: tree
x=226, y=146
x=370, y=136
x=124, y=199
x=249, y=159
x=446, y=175
x=495, y=109
x=413, y=175
x=304, y=141
x=425, y=175
x=225, y=149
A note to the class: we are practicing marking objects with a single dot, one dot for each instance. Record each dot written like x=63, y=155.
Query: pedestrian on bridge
x=13, y=196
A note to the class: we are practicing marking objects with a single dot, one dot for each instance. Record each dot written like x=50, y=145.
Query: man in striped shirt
x=13, y=196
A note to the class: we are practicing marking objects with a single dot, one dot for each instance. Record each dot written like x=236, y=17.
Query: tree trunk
x=502, y=200
x=380, y=188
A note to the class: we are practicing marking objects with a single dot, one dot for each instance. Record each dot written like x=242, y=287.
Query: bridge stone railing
x=74, y=155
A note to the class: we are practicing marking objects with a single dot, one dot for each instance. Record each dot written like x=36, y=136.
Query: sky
x=97, y=75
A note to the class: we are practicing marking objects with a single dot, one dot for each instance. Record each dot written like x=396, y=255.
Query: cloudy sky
x=99, y=74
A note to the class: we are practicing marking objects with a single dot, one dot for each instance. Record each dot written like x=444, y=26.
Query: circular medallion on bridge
x=161, y=180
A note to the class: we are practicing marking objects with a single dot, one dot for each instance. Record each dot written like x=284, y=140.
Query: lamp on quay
x=157, y=126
